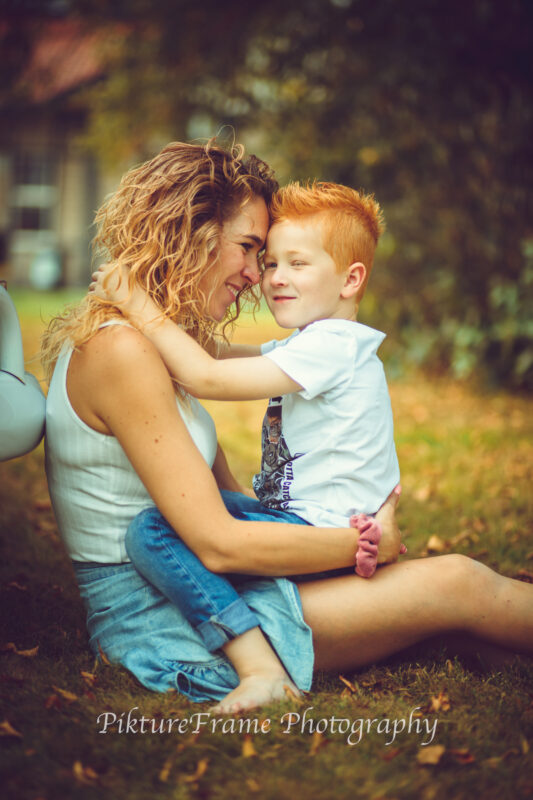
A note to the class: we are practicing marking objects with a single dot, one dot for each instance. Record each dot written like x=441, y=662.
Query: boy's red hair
x=351, y=221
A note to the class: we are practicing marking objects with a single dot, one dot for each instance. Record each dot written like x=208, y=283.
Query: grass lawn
x=424, y=725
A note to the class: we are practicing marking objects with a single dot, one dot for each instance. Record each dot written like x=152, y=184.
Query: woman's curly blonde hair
x=164, y=223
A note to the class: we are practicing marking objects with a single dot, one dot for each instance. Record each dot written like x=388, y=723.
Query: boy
x=327, y=443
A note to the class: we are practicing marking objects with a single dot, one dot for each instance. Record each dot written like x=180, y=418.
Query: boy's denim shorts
x=136, y=626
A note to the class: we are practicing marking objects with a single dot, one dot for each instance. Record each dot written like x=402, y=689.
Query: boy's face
x=301, y=283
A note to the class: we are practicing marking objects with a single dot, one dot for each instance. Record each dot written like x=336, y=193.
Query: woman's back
x=94, y=489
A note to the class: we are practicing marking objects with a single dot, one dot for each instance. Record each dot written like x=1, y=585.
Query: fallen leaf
x=524, y=745
x=391, y=753
x=478, y=554
x=103, y=656
x=435, y=545
x=84, y=775
x=422, y=494
x=200, y=770
x=479, y=525
x=462, y=755
x=7, y=729
x=510, y=753
x=524, y=575
x=88, y=677
x=318, y=741
x=252, y=785
x=69, y=696
x=16, y=585
x=248, y=749
x=28, y=653
x=439, y=703
x=10, y=647
x=430, y=755
x=461, y=537
x=291, y=695
x=348, y=684
x=52, y=701
x=165, y=769
x=42, y=505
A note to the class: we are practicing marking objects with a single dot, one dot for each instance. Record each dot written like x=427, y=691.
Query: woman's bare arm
x=118, y=384
x=224, y=476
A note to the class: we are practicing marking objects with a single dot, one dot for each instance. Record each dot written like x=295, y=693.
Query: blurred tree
x=429, y=104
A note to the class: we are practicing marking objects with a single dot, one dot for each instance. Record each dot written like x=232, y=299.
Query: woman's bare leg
x=357, y=622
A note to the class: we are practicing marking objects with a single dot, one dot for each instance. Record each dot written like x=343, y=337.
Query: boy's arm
x=227, y=350
x=199, y=373
x=212, y=379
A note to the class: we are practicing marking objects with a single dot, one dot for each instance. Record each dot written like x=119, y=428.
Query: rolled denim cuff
x=228, y=624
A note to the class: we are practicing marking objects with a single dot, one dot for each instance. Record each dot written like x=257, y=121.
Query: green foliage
x=428, y=104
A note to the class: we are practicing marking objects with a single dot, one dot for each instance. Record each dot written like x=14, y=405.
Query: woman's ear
x=355, y=278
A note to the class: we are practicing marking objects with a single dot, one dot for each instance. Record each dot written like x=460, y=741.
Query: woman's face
x=243, y=236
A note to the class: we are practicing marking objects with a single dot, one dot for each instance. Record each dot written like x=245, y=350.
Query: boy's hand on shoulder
x=110, y=282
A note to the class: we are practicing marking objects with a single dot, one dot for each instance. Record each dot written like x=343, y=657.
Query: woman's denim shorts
x=136, y=626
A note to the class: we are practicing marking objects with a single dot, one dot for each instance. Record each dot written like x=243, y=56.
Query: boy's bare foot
x=255, y=691
x=369, y=538
x=390, y=544
x=262, y=676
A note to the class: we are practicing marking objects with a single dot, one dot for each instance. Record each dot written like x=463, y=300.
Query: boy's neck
x=342, y=314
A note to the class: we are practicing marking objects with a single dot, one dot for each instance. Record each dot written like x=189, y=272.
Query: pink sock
x=367, y=549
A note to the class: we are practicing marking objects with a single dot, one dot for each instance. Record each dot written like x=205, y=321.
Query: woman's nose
x=251, y=270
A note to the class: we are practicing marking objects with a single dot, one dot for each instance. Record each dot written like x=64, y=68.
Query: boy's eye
x=270, y=265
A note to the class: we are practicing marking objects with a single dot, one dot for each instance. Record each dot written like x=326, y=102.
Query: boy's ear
x=355, y=277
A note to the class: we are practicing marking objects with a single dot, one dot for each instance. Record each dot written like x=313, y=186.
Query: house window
x=34, y=192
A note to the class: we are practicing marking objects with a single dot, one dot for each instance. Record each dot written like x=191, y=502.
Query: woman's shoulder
x=116, y=341
x=117, y=368
x=116, y=351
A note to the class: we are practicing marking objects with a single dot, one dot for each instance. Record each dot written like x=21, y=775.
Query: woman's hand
x=390, y=545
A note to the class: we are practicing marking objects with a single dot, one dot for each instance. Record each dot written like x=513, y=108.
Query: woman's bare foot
x=255, y=691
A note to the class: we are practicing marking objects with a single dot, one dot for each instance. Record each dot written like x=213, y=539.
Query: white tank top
x=94, y=489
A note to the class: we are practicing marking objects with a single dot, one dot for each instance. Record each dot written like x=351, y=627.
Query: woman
x=189, y=225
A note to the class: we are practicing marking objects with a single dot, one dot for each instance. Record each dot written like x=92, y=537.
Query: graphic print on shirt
x=272, y=484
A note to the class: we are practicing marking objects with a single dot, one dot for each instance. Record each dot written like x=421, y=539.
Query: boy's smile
x=301, y=282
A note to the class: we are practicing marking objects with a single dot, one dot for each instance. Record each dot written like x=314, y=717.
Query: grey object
x=22, y=402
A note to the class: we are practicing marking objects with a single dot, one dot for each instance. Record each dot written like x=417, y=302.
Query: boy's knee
x=140, y=531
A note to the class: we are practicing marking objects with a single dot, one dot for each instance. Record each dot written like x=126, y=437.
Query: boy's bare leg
x=357, y=622
x=262, y=676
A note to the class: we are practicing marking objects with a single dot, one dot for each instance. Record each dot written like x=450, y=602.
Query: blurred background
x=426, y=103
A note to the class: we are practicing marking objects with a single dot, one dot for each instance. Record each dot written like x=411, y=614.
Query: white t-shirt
x=328, y=450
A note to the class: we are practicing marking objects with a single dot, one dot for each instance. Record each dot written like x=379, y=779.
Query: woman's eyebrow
x=254, y=238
